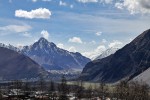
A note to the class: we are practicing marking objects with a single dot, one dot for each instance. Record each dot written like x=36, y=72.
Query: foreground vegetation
x=48, y=90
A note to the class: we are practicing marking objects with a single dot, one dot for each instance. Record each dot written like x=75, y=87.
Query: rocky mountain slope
x=48, y=55
x=14, y=65
x=126, y=63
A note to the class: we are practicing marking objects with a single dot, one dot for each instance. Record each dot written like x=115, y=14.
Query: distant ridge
x=131, y=60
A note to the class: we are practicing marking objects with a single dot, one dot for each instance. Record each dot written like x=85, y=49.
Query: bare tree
x=89, y=92
x=79, y=89
x=26, y=88
x=1, y=94
x=51, y=90
x=63, y=89
x=122, y=90
x=102, y=90
x=145, y=92
x=17, y=85
x=42, y=86
x=138, y=91
x=95, y=90
x=132, y=91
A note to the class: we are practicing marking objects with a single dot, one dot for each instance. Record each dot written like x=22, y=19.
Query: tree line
x=50, y=90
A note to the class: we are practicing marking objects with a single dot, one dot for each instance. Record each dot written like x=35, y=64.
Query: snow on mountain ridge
x=50, y=56
x=10, y=47
x=107, y=53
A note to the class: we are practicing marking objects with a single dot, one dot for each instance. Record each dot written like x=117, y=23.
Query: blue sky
x=86, y=26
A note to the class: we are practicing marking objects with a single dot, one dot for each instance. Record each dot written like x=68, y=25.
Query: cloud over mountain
x=115, y=44
x=45, y=34
x=75, y=40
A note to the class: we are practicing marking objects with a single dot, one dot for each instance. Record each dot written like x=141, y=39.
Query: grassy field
x=86, y=85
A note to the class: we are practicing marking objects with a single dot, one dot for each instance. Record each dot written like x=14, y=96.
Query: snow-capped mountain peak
x=47, y=54
x=42, y=40
x=44, y=43
x=106, y=53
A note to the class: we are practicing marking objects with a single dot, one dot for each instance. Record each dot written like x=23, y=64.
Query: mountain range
x=44, y=58
x=47, y=58
x=126, y=63
x=48, y=55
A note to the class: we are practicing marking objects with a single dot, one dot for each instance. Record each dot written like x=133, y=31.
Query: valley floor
x=76, y=90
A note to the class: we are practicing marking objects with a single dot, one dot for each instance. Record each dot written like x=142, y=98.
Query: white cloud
x=15, y=28
x=110, y=26
x=96, y=52
x=26, y=34
x=75, y=40
x=46, y=0
x=131, y=39
x=20, y=46
x=88, y=1
x=98, y=33
x=119, y=5
x=72, y=49
x=34, y=0
x=71, y=6
x=93, y=42
x=106, y=1
x=100, y=49
x=10, y=1
x=61, y=3
x=45, y=34
x=60, y=45
x=104, y=40
x=115, y=44
x=96, y=1
x=135, y=6
x=42, y=13
x=41, y=0
x=35, y=40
